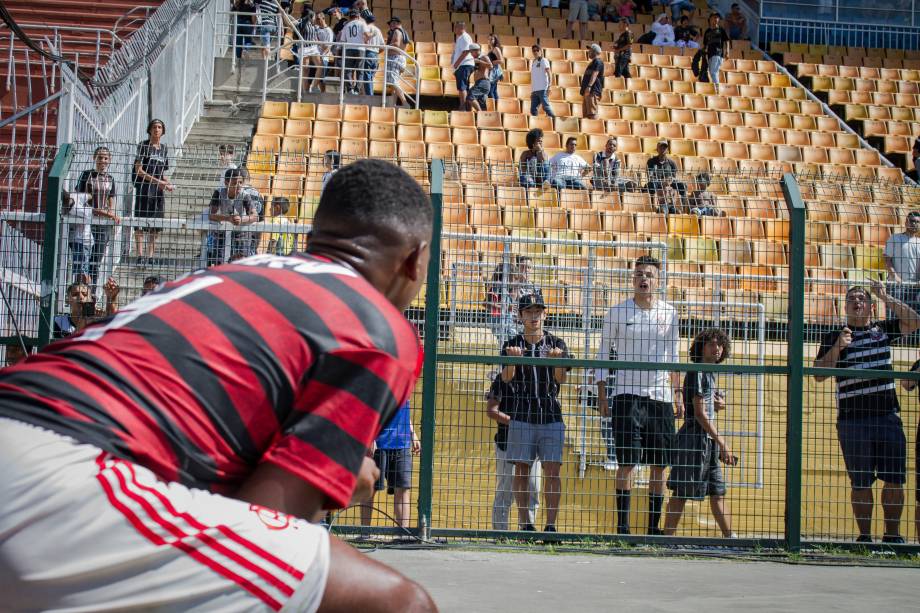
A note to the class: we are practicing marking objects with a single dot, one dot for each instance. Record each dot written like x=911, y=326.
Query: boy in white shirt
x=641, y=329
x=539, y=83
x=79, y=211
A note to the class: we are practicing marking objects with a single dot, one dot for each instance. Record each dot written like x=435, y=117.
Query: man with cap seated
x=536, y=429
x=662, y=174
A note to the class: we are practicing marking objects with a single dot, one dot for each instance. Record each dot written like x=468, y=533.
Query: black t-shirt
x=623, y=45
x=498, y=392
x=714, y=41
x=534, y=393
x=700, y=384
x=870, y=348
x=154, y=160
x=596, y=65
x=661, y=169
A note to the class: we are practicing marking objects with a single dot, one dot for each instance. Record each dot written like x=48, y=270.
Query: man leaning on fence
x=536, y=429
x=643, y=328
x=869, y=429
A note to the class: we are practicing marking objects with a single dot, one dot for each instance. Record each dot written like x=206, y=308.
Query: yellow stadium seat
x=274, y=108
x=270, y=126
x=302, y=110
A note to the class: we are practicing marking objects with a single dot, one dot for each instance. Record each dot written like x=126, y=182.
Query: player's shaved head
x=376, y=218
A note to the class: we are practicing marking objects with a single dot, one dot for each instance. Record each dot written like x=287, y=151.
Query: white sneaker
x=611, y=465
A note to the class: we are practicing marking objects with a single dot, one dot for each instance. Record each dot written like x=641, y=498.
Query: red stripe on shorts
x=156, y=539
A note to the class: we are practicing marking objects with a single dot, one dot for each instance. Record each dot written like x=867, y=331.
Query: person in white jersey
x=645, y=402
x=355, y=32
x=902, y=261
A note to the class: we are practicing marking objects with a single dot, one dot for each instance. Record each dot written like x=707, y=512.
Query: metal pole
x=430, y=368
x=51, y=244
x=795, y=350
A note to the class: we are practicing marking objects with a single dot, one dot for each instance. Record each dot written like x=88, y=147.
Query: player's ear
x=415, y=266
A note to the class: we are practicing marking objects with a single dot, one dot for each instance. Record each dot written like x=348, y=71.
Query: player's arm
x=494, y=413
x=603, y=353
x=273, y=487
x=829, y=353
x=509, y=369
x=699, y=413
x=889, y=266
x=675, y=376
x=908, y=318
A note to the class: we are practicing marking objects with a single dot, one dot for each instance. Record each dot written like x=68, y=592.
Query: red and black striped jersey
x=297, y=361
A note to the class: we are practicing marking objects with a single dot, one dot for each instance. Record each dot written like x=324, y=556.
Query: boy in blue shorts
x=396, y=445
x=695, y=471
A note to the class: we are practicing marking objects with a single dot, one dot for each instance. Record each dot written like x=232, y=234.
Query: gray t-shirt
x=904, y=252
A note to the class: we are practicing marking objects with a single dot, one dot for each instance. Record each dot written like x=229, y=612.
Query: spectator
x=253, y=194
x=681, y=5
x=643, y=328
x=267, y=18
x=481, y=81
x=520, y=4
x=910, y=386
x=245, y=16
x=736, y=23
x=595, y=10
x=703, y=202
x=150, y=166
x=914, y=174
x=869, y=429
x=83, y=309
x=689, y=39
x=627, y=11
x=578, y=11
x=151, y=283
x=607, y=167
x=462, y=62
x=661, y=168
x=281, y=243
x=325, y=36
x=696, y=472
x=683, y=26
x=663, y=31
x=396, y=62
x=592, y=83
x=534, y=165
x=311, y=55
x=668, y=200
x=355, y=33
x=536, y=429
x=539, y=83
x=510, y=281
x=498, y=405
x=496, y=8
x=623, y=51
x=372, y=55
x=902, y=261
x=338, y=21
x=568, y=169
x=477, y=6
x=715, y=44
x=253, y=359
x=100, y=185
x=332, y=160
x=17, y=352
x=237, y=206
x=78, y=211
x=396, y=444
x=497, y=58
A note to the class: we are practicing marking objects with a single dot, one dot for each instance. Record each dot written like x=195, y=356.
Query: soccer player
x=869, y=429
x=642, y=329
x=173, y=455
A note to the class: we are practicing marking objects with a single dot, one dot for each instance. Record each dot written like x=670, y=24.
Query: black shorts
x=695, y=472
x=149, y=203
x=354, y=59
x=395, y=469
x=643, y=430
x=873, y=448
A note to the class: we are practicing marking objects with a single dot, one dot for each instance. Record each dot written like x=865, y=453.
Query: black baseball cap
x=531, y=299
x=395, y=18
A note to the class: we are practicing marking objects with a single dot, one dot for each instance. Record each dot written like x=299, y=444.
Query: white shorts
x=81, y=530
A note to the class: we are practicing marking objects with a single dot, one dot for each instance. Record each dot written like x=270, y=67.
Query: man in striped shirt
x=168, y=456
x=869, y=429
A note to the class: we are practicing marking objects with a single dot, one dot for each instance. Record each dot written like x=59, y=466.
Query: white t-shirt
x=354, y=32
x=539, y=75
x=376, y=35
x=567, y=166
x=640, y=335
x=904, y=252
x=463, y=43
x=664, y=33
x=81, y=219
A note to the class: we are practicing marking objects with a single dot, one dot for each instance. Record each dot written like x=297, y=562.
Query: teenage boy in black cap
x=536, y=429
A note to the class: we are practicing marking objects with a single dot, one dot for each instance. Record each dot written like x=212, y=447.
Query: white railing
x=348, y=69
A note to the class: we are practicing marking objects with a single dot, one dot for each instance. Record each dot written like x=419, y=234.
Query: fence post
x=430, y=368
x=795, y=350
x=51, y=244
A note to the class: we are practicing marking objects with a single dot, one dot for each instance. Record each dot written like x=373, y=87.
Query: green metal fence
x=790, y=486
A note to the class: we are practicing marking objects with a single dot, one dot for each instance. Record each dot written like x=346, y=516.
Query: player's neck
x=534, y=337
x=859, y=322
x=644, y=301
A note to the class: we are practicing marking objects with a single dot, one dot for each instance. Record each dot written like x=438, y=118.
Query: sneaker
x=893, y=539
x=528, y=528
x=863, y=538
x=611, y=465
x=550, y=528
x=655, y=532
x=623, y=530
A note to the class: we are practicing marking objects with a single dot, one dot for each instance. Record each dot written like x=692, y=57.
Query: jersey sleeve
x=892, y=328
x=827, y=342
x=347, y=397
x=82, y=182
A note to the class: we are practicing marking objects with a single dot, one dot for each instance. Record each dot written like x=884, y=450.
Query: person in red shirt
x=195, y=434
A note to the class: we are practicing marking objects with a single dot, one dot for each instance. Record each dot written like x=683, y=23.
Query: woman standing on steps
x=150, y=165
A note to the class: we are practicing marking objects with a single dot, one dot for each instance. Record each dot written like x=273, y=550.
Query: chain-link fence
x=648, y=277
